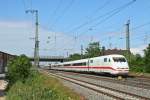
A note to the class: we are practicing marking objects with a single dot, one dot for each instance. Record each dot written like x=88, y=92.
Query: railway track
x=113, y=93
x=145, y=79
x=136, y=82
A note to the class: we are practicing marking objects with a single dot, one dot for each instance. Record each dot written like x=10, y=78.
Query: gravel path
x=87, y=93
x=3, y=85
x=2, y=88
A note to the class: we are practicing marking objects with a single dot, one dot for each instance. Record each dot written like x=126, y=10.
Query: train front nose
x=121, y=65
x=122, y=68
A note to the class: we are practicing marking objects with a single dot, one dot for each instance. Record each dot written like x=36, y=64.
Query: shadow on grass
x=2, y=93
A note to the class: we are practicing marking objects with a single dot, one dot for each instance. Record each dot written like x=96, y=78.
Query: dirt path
x=3, y=85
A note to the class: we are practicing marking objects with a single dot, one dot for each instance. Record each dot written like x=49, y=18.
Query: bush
x=40, y=87
x=32, y=89
x=147, y=59
x=19, y=69
x=27, y=84
x=136, y=68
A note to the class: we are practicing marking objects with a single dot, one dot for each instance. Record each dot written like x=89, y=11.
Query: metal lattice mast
x=128, y=39
x=81, y=51
x=36, y=48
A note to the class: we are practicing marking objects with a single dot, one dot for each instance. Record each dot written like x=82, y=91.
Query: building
x=4, y=59
x=114, y=51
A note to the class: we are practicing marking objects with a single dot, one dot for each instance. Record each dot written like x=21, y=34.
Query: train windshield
x=119, y=59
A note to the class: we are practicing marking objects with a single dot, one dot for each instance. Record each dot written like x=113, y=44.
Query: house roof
x=114, y=51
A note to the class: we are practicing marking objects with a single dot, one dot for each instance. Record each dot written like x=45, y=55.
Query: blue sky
x=58, y=21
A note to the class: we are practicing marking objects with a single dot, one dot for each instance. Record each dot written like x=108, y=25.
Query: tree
x=19, y=69
x=75, y=56
x=136, y=63
x=147, y=59
x=93, y=50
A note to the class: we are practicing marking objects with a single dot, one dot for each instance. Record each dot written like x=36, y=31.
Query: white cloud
x=15, y=24
x=139, y=50
x=15, y=39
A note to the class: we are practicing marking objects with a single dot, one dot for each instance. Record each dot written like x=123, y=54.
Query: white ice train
x=113, y=64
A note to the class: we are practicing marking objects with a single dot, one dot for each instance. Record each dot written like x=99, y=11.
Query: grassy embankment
x=41, y=87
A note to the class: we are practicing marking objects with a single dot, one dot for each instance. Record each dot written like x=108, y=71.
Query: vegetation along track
x=114, y=93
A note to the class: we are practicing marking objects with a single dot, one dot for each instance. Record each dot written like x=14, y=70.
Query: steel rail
x=77, y=81
x=145, y=84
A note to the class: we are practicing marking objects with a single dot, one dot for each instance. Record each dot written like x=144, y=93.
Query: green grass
x=41, y=87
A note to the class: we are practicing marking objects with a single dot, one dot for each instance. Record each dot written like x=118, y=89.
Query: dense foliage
x=40, y=87
x=19, y=69
x=140, y=63
x=93, y=50
x=26, y=83
x=75, y=56
x=136, y=63
x=31, y=89
x=147, y=59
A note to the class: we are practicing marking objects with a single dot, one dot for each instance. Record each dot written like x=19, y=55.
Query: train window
x=80, y=64
x=91, y=61
x=109, y=60
x=119, y=59
x=84, y=63
x=76, y=64
x=105, y=59
x=67, y=65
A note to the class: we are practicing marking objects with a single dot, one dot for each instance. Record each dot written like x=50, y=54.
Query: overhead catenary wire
x=55, y=12
x=98, y=9
x=57, y=8
x=140, y=26
x=134, y=28
x=24, y=5
x=141, y=36
x=62, y=14
x=118, y=37
x=101, y=7
x=31, y=4
x=114, y=13
x=110, y=13
x=25, y=8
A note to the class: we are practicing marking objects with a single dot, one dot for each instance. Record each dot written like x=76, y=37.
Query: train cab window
x=109, y=60
x=119, y=59
x=91, y=61
x=105, y=59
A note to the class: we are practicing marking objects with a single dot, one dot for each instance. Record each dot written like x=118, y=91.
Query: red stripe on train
x=94, y=67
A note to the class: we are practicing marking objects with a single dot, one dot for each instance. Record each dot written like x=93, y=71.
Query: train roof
x=86, y=60
x=76, y=61
x=113, y=55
